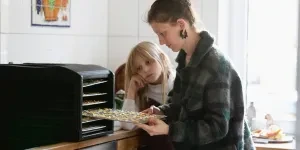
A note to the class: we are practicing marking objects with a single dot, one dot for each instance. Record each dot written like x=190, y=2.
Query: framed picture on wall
x=54, y=13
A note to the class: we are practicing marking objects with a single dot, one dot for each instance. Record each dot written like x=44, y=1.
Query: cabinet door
x=131, y=143
x=105, y=146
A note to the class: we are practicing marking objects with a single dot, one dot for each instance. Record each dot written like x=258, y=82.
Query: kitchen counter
x=276, y=146
x=127, y=140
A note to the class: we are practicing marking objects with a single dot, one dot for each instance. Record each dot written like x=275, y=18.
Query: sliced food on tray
x=120, y=115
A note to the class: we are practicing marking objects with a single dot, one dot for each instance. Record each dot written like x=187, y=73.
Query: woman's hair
x=168, y=11
x=148, y=51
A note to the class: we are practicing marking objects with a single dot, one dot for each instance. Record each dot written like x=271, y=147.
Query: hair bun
x=184, y=2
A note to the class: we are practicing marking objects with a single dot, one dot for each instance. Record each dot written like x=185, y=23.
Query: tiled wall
x=84, y=42
x=102, y=32
x=127, y=26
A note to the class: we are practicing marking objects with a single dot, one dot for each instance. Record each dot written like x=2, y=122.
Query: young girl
x=148, y=79
x=207, y=106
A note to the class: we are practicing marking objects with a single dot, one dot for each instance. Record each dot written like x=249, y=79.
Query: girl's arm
x=129, y=105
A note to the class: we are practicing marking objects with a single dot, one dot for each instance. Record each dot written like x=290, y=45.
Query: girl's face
x=150, y=70
x=169, y=35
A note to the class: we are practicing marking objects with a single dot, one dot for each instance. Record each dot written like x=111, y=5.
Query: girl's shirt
x=154, y=93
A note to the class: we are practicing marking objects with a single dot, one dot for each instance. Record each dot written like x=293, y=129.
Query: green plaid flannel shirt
x=206, y=109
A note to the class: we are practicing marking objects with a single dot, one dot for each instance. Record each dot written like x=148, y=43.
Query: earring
x=183, y=34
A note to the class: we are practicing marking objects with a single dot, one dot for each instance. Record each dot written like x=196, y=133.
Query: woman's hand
x=136, y=82
x=153, y=110
x=155, y=127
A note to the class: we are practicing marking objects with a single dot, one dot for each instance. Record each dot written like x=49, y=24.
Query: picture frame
x=53, y=13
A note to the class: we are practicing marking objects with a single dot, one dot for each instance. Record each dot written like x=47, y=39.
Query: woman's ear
x=181, y=23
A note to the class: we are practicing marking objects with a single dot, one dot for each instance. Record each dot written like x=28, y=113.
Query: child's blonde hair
x=150, y=52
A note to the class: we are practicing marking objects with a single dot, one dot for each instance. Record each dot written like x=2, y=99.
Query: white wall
x=102, y=32
x=297, y=126
x=84, y=42
x=127, y=26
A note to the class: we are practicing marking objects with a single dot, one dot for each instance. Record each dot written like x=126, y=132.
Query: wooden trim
x=129, y=143
x=117, y=135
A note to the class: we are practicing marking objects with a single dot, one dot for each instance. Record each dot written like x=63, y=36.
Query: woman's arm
x=215, y=123
x=221, y=92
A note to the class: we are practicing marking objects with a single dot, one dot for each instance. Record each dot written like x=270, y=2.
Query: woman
x=207, y=106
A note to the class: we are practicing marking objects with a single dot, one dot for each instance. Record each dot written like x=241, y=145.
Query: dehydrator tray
x=120, y=115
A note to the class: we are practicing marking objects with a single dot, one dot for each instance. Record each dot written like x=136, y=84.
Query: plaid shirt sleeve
x=215, y=123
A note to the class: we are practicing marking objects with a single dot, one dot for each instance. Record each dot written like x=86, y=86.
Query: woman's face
x=169, y=35
x=150, y=70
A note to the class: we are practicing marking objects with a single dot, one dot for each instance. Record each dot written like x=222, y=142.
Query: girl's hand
x=155, y=127
x=136, y=82
x=153, y=110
